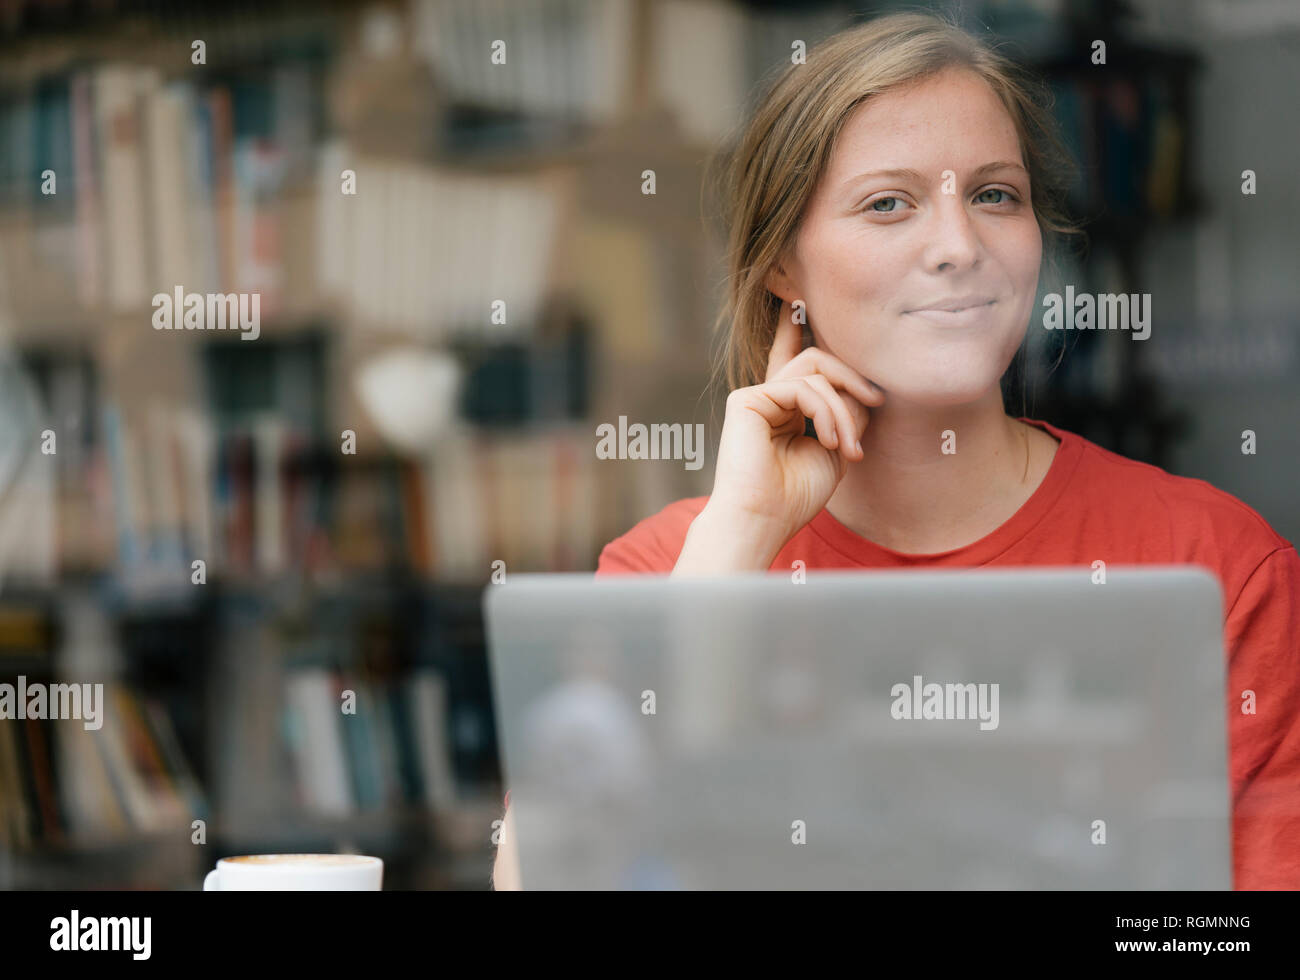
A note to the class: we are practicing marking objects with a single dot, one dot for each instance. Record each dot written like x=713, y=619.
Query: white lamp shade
x=411, y=395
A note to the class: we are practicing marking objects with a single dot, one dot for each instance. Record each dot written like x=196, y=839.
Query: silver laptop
x=937, y=729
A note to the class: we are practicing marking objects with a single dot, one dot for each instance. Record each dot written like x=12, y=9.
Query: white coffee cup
x=296, y=873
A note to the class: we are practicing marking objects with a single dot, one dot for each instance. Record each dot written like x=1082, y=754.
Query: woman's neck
x=912, y=496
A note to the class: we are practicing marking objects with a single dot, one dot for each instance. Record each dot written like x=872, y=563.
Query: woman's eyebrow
x=909, y=174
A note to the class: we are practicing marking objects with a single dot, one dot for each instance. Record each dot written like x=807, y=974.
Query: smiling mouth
x=979, y=315
x=954, y=309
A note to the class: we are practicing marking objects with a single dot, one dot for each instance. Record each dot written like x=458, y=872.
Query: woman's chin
x=929, y=395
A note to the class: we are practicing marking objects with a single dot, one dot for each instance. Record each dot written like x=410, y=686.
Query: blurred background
x=460, y=277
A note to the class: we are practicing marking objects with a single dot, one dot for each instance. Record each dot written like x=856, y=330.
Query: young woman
x=895, y=193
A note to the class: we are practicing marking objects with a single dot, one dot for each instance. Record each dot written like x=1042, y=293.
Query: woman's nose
x=954, y=241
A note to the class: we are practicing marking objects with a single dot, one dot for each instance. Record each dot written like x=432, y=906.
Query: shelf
x=464, y=829
x=150, y=861
x=106, y=847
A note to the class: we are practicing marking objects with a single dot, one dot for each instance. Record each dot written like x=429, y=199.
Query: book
x=90, y=269
x=130, y=785
x=427, y=693
x=260, y=168
x=118, y=89
x=269, y=441
x=42, y=772
x=93, y=810
x=15, y=820
x=166, y=807
x=177, y=766
x=166, y=110
x=312, y=695
x=220, y=146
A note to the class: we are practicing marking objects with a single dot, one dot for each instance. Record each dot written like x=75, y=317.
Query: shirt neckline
x=862, y=551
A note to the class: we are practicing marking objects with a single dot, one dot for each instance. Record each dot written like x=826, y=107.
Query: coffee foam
x=303, y=860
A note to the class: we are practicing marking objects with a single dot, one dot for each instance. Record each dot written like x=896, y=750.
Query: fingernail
x=859, y=445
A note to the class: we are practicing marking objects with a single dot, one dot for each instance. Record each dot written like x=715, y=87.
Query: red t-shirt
x=1094, y=504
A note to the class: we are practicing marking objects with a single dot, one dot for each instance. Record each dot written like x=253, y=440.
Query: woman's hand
x=770, y=480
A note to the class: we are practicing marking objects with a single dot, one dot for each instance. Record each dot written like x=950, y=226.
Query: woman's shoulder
x=653, y=544
x=1152, y=494
x=1166, y=517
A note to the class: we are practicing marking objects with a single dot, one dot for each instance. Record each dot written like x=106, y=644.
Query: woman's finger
x=847, y=425
x=777, y=403
x=817, y=361
x=787, y=342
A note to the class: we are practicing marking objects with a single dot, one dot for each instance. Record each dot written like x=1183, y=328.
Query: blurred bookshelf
x=327, y=571
x=1130, y=128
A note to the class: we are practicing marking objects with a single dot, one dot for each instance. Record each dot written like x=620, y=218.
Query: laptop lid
x=950, y=728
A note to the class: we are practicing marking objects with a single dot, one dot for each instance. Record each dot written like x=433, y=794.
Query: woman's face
x=874, y=248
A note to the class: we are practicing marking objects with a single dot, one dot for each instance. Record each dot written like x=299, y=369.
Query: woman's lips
x=967, y=317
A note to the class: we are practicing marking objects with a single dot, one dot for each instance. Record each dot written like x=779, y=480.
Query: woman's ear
x=778, y=283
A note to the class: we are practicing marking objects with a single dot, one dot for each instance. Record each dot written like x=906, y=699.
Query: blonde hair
x=781, y=153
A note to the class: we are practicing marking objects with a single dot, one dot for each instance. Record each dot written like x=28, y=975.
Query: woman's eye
x=881, y=200
x=892, y=205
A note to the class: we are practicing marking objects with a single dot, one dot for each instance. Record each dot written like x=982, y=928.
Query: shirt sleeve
x=630, y=555
x=653, y=545
x=1262, y=633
